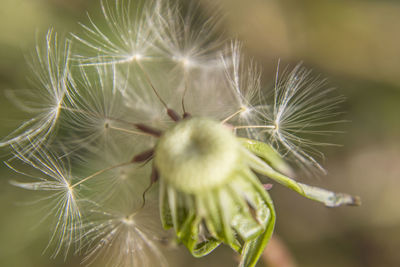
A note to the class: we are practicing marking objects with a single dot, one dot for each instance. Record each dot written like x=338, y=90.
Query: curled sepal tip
x=329, y=198
x=263, y=160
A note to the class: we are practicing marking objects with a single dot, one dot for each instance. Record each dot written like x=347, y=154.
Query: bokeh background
x=355, y=44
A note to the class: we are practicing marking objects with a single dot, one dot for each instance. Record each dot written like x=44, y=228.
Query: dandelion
x=130, y=38
x=62, y=199
x=244, y=80
x=302, y=105
x=181, y=38
x=119, y=238
x=155, y=107
x=92, y=107
x=51, y=67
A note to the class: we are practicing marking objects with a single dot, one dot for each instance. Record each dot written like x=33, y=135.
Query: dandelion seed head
x=302, y=106
x=245, y=112
x=62, y=199
x=136, y=56
x=157, y=92
x=52, y=70
x=127, y=36
x=186, y=62
x=121, y=239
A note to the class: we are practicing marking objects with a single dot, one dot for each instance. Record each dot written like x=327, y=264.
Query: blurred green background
x=355, y=44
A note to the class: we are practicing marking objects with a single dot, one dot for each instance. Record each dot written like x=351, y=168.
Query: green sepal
x=188, y=233
x=189, y=236
x=177, y=220
x=244, y=221
x=246, y=227
x=165, y=211
x=330, y=199
x=205, y=247
x=218, y=226
x=253, y=249
x=267, y=153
